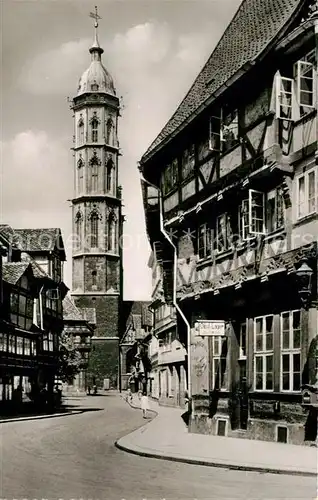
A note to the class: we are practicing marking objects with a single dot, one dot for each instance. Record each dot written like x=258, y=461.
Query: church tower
x=96, y=212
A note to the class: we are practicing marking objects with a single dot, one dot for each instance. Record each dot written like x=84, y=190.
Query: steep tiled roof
x=146, y=315
x=12, y=271
x=136, y=321
x=255, y=25
x=70, y=311
x=38, y=240
x=6, y=232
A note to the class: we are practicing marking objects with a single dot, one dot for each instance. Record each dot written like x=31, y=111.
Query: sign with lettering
x=210, y=328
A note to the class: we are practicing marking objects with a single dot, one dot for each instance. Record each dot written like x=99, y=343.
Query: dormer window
x=94, y=86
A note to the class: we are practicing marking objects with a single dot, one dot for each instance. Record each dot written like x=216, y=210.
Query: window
x=188, y=161
x=307, y=193
x=215, y=132
x=290, y=351
x=296, y=96
x=109, y=132
x=27, y=347
x=170, y=177
x=281, y=434
x=21, y=308
x=3, y=342
x=111, y=237
x=81, y=130
x=221, y=427
x=252, y=215
x=263, y=353
x=19, y=345
x=223, y=130
x=242, y=341
x=219, y=371
x=230, y=131
x=94, y=278
x=223, y=233
x=94, y=178
x=80, y=176
x=48, y=343
x=79, y=230
x=109, y=169
x=305, y=82
x=204, y=241
x=284, y=98
x=94, y=127
x=94, y=230
x=275, y=213
x=12, y=344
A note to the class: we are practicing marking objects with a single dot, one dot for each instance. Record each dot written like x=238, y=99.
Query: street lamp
x=304, y=279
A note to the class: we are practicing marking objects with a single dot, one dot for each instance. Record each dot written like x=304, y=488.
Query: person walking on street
x=144, y=404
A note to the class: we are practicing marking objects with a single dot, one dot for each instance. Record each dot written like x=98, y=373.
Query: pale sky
x=153, y=48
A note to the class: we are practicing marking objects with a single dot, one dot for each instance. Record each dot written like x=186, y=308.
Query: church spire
x=95, y=48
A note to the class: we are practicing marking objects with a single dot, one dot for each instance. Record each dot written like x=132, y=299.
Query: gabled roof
x=256, y=24
x=39, y=240
x=36, y=268
x=13, y=271
x=70, y=311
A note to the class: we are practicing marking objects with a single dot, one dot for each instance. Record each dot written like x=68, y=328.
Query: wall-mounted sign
x=210, y=328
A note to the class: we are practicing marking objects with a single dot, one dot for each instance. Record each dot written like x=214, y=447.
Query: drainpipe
x=316, y=39
x=41, y=308
x=174, y=299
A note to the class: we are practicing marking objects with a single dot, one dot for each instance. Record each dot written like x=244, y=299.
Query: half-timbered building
x=231, y=200
x=31, y=318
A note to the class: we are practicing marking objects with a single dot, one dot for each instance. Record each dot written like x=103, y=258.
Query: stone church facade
x=96, y=214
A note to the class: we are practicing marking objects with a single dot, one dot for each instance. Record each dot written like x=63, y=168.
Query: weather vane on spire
x=95, y=16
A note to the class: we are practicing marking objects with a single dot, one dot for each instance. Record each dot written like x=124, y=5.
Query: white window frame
x=217, y=357
x=216, y=137
x=299, y=67
x=290, y=351
x=263, y=353
x=275, y=194
x=246, y=232
x=228, y=234
x=207, y=241
x=305, y=176
x=280, y=93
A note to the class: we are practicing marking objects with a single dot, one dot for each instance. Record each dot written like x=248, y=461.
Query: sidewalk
x=166, y=437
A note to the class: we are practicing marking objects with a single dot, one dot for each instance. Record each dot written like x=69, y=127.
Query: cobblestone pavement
x=74, y=457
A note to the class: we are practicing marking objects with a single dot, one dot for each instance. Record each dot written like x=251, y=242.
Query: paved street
x=75, y=457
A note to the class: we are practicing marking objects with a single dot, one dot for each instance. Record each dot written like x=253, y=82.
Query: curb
x=222, y=465
x=40, y=417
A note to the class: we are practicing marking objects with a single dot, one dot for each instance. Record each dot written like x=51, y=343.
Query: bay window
x=290, y=351
x=307, y=193
x=263, y=353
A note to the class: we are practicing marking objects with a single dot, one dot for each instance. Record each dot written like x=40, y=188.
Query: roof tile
x=12, y=271
x=255, y=24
